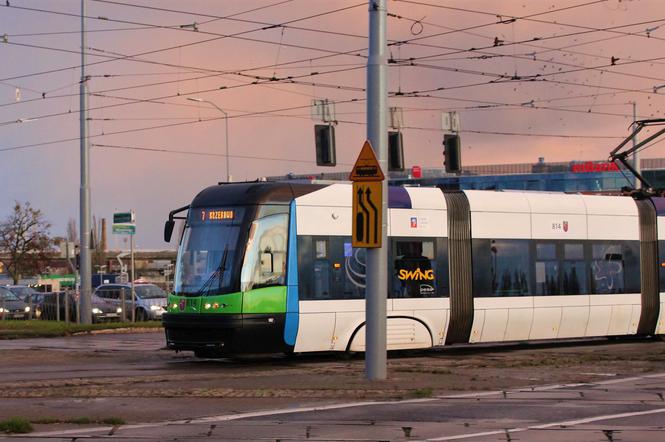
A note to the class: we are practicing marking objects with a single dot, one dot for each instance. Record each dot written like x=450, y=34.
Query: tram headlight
x=207, y=306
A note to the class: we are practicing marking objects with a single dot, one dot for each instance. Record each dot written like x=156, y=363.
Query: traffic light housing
x=452, y=154
x=395, y=151
x=324, y=136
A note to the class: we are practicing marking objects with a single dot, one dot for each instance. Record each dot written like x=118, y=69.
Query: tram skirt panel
x=460, y=268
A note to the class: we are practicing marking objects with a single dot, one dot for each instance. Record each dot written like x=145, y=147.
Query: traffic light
x=324, y=136
x=395, y=151
x=452, y=154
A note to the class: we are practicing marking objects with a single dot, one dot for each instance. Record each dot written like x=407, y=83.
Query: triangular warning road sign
x=367, y=166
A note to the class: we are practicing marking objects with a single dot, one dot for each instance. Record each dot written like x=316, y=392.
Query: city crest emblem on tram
x=565, y=226
x=182, y=304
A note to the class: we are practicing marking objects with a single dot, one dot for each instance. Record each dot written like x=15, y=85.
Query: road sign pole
x=377, y=133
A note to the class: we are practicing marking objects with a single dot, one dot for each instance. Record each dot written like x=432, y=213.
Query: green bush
x=15, y=425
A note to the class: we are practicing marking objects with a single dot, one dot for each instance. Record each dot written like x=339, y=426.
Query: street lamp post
x=226, y=121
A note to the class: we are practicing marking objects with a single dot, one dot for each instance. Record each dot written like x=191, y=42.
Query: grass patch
x=15, y=425
x=48, y=329
x=422, y=392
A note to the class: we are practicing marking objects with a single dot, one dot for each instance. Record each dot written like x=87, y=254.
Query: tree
x=24, y=238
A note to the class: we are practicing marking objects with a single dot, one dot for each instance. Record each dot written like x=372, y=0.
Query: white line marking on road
x=550, y=425
x=252, y=414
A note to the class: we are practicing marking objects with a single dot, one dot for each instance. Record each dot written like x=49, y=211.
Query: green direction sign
x=123, y=217
x=124, y=229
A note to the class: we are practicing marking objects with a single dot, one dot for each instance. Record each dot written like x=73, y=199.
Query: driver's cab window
x=265, y=256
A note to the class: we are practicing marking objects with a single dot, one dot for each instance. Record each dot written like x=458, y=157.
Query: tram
x=270, y=267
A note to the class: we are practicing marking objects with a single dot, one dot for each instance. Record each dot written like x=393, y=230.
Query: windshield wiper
x=218, y=273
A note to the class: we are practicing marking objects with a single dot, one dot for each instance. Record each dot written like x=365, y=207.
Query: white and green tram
x=270, y=267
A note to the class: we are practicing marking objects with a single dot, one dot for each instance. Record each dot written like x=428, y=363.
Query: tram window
x=607, y=268
x=321, y=249
x=501, y=267
x=339, y=273
x=349, y=269
x=265, y=258
x=631, y=252
x=547, y=269
x=574, y=270
x=418, y=268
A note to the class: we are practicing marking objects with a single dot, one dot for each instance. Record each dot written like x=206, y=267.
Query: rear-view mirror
x=168, y=230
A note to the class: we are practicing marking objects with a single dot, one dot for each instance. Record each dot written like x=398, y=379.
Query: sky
x=529, y=79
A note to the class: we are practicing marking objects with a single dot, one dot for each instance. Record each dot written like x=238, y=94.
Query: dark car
x=149, y=301
x=30, y=296
x=11, y=307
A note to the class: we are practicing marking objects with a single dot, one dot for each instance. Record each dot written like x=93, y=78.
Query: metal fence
x=54, y=306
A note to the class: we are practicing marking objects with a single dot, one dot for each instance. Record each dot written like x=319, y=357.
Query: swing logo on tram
x=416, y=275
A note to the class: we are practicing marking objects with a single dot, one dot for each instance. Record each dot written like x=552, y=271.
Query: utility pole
x=377, y=134
x=85, y=262
x=636, y=157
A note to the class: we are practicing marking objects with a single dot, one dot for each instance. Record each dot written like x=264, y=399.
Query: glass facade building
x=551, y=182
x=572, y=176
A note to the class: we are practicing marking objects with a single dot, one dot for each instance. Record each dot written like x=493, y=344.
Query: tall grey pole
x=85, y=262
x=636, y=157
x=131, y=247
x=226, y=133
x=377, y=133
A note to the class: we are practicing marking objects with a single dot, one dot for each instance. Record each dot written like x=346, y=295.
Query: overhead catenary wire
x=288, y=80
x=531, y=17
x=133, y=57
x=213, y=154
x=352, y=52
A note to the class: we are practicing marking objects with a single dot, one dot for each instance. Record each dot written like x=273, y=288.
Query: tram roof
x=252, y=193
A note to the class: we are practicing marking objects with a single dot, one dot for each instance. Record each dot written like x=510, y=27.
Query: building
x=574, y=176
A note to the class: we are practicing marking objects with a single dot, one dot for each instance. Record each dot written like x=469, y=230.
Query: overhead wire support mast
x=622, y=157
x=85, y=293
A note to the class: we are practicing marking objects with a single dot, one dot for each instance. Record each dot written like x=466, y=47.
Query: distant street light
x=226, y=121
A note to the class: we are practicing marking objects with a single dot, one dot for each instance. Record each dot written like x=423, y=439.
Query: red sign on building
x=593, y=166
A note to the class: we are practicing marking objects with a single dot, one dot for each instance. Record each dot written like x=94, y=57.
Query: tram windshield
x=208, y=258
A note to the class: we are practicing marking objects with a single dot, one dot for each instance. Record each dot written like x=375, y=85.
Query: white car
x=149, y=302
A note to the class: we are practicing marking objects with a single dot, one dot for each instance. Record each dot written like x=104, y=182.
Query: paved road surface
x=630, y=409
x=609, y=391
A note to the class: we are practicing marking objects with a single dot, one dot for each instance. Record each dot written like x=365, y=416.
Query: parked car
x=149, y=302
x=30, y=296
x=11, y=307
